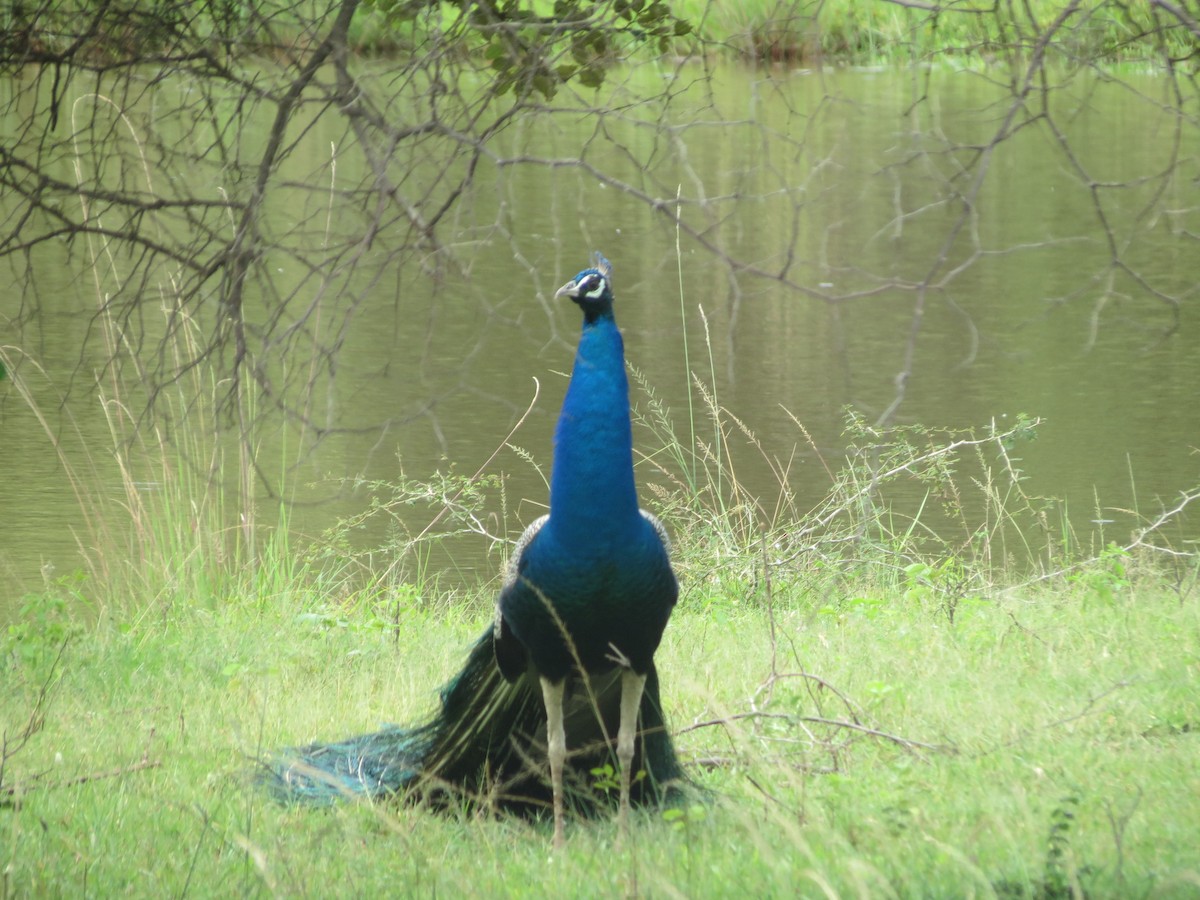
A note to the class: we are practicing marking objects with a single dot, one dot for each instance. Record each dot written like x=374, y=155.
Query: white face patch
x=593, y=287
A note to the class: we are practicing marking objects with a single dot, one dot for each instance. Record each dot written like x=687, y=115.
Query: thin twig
x=33, y=784
x=537, y=388
x=907, y=743
x=35, y=719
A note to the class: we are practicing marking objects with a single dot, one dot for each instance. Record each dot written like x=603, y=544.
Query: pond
x=914, y=247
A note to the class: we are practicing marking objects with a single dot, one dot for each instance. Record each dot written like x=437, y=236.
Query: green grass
x=1044, y=742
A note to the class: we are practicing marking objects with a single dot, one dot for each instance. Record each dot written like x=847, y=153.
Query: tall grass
x=168, y=503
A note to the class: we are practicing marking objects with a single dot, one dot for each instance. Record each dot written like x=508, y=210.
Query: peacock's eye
x=592, y=287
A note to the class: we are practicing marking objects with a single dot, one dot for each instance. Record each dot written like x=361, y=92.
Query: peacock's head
x=591, y=288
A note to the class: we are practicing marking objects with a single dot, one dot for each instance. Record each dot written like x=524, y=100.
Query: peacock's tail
x=485, y=746
x=367, y=766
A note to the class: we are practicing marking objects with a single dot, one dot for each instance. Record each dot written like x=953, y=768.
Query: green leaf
x=545, y=85
x=592, y=76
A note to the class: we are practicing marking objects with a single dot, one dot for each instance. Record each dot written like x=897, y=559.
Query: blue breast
x=597, y=569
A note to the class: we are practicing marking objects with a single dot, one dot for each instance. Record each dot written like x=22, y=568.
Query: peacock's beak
x=570, y=289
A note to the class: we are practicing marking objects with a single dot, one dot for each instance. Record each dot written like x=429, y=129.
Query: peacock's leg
x=631, y=699
x=556, y=745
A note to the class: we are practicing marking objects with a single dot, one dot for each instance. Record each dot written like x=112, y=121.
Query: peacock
x=566, y=673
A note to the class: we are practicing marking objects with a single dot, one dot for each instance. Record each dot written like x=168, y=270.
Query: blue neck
x=592, y=494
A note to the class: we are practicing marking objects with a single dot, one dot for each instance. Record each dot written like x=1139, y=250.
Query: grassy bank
x=795, y=32
x=1042, y=742
x=880, y=32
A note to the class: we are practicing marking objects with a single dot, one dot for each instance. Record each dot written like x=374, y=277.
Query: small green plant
x=1107, y=578
x=1057, y=881
x=607, y=778
x=45, y=622
x=680, y=818
x=867, y=607
x=880, y=691
x=1059, y=878
x=918, y=582
x=943, y=585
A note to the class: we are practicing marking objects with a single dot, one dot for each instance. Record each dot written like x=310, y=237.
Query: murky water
x=814, y=208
